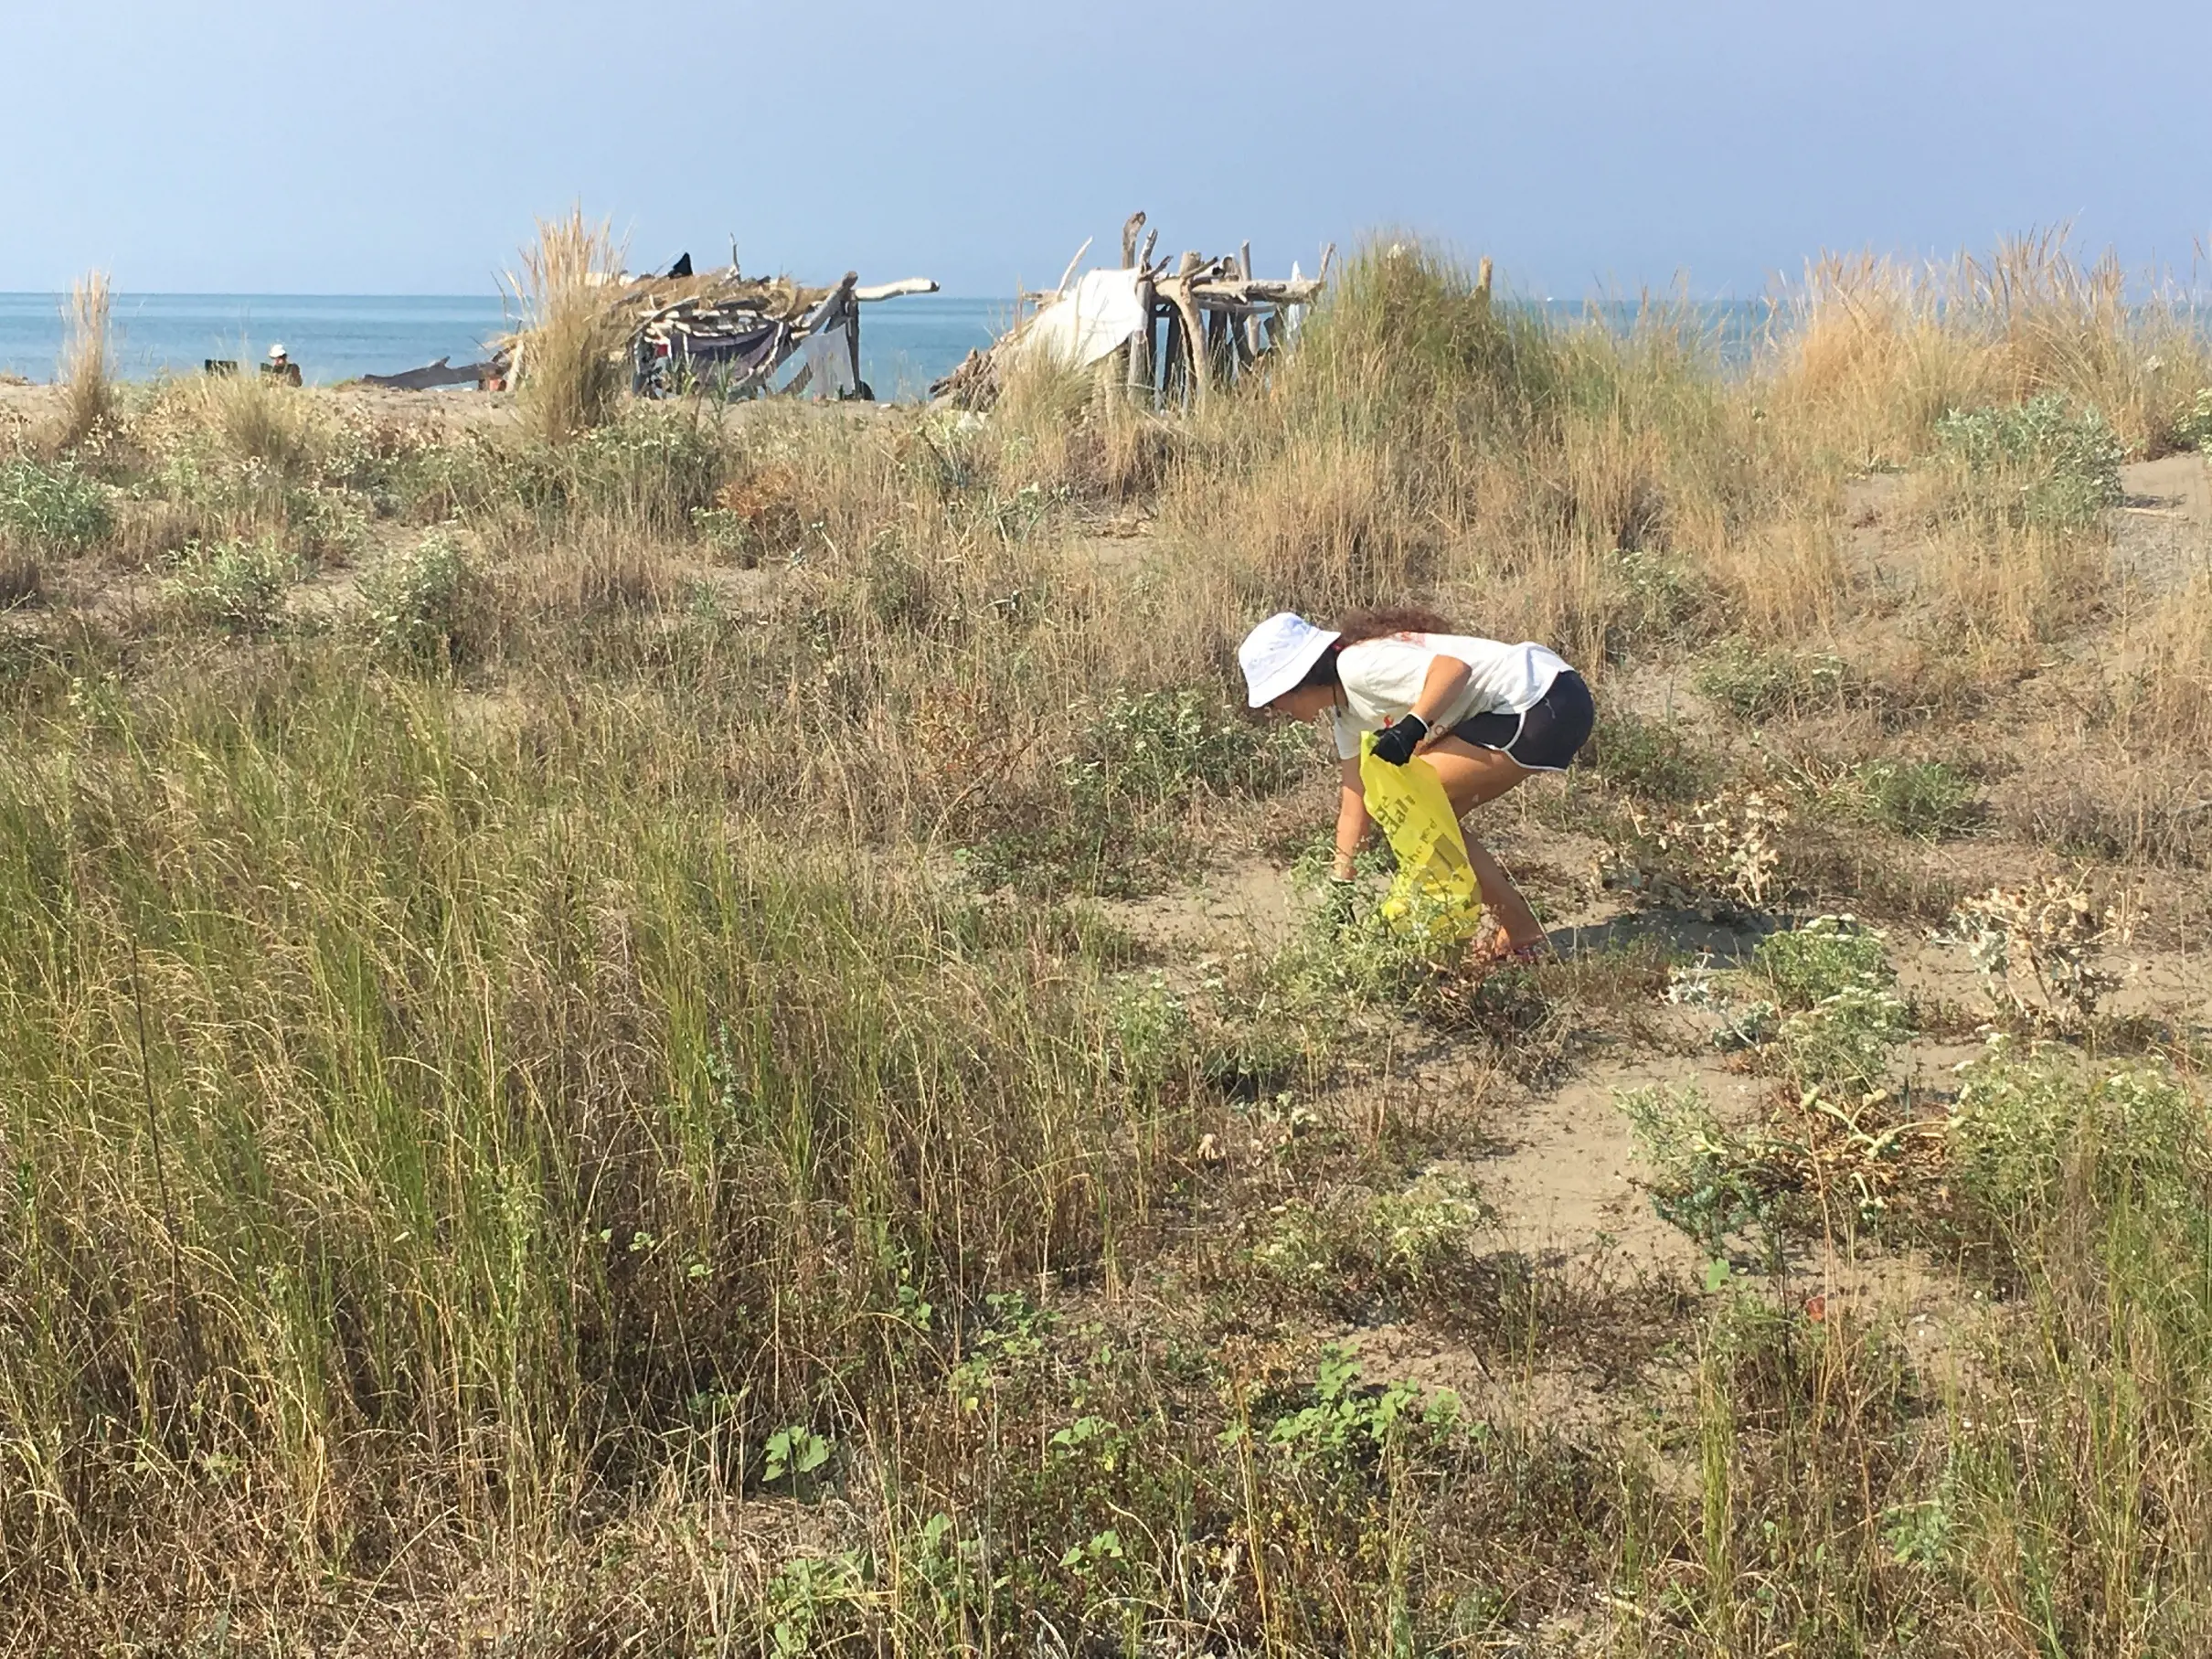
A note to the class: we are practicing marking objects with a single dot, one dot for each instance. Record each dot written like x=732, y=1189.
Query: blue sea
x=904, y=343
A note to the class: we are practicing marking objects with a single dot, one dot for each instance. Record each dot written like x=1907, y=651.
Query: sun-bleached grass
x=1869, y=353
x=88, y=376
x=566, y=368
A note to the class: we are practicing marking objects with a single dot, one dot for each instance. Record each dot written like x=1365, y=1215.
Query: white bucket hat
x=277, y=350
x=1276, y=654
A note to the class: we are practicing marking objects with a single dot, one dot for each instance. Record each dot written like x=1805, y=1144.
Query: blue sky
x=405, y=146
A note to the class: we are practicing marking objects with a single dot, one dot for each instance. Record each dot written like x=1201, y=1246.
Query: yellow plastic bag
x=1435, y=880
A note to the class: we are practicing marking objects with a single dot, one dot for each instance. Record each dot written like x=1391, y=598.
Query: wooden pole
x=1195, y=348
x=1130, y=227
x=1140, y=348
x=852, y=346
x=1174, y=377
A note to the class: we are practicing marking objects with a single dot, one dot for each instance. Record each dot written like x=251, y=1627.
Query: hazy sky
x=404, y=146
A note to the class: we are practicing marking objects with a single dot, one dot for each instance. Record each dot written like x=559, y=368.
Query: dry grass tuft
x=88, y=382
x=566, y=368
x=1869, y=353
x=257, y=417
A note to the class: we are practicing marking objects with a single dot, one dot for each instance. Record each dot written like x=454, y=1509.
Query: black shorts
x=1545, y=736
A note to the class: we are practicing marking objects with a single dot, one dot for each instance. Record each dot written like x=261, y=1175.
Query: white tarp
x=1099, y=314
x=829, y=358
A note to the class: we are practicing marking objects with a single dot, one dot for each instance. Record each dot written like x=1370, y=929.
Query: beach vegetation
x=87, y=371
x=567, y=364
x=712, y=1031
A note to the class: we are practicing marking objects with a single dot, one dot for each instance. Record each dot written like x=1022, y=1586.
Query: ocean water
x=904, y=343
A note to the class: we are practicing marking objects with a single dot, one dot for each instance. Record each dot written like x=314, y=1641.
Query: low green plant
x=2046, y=462
x=412, y=600
x=53, y=509
x=1926, y=799
x=1655, y=761
x=793, y=1452
x=1151, y=1031
x=1830, y=955
x=239, y=586
x=2032, y=1118
x=1846, y=1041
x=1756, y=683
x=1707, y=1180
x=1344, y=1422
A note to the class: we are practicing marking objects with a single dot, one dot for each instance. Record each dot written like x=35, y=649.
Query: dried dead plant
x=2034, y=946
x=1723, y=854
x=568, y=369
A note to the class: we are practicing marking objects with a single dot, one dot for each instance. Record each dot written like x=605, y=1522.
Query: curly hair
x=1357, y=627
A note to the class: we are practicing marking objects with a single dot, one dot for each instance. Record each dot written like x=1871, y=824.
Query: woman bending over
x=1484, y=713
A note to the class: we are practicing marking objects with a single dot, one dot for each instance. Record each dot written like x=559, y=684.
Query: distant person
x=1484, y=713
x=281, y=366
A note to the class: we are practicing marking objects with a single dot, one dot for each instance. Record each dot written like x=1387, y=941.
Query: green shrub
x=467, y=479
x=1828, y=955
x=651, y=470
x=2040, y=462
x=1653, y=759
x=52, y=509
x=2032, y=1123
x=1355, y=1248
x=1165, y=746
x=239, y=586
x=1928, y=798
x=1663, y=600
x=1755, y=685
x=2193, y=431
x=411, y=601
x=1138, y=763
x=1845, y=1041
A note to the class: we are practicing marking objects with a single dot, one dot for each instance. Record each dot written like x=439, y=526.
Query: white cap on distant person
x=276, y=351
x=1276, y=654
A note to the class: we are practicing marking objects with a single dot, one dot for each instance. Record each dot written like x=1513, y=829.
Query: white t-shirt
x=1382, y=679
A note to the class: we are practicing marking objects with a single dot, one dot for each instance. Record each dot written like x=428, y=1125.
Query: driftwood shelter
x=728, y=334
x=1178, y=331
x=721, y=332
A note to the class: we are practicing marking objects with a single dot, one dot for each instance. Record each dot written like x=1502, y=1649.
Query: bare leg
x=1472, y=776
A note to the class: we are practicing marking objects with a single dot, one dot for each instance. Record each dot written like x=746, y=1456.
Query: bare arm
x=1446, y=677
x=1351, y=819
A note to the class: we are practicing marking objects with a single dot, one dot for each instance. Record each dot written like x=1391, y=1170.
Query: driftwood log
x=441, y=373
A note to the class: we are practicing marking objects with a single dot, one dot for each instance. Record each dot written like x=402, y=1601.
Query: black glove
x=1393, y=744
